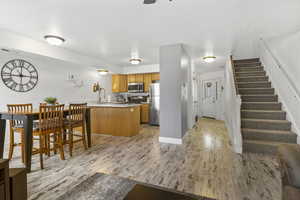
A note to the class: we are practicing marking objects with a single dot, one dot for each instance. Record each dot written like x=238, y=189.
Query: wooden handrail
x=233, y=70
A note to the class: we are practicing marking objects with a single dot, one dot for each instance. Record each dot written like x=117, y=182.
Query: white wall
x=53, y=81
x=286, y=49
x=280, y=59
x=141, y=69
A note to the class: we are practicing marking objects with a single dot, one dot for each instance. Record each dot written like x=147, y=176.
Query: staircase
x=264, y=124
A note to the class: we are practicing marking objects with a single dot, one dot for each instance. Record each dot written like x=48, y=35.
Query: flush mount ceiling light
x=5, y=50
x=102, y=71
x=209, y=59
x=54, y=40
x=135, y=61
x=149, y=1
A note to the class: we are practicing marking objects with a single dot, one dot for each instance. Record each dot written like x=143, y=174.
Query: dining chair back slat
x=50, y=118
x=18, y=108
x=77, y=112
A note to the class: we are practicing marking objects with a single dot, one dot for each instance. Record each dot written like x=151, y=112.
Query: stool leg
x=22, y=147
x=83, y=137
x=61, y=145
x=11, y=144
x=48, y=145
x=41, y=150
x=71, y=141
x=55, y=144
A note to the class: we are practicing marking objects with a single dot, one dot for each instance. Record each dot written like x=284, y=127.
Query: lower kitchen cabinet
x=145, y=113
x=116, y=121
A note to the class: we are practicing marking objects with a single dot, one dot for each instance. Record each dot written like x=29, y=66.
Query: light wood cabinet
x=131, y=78
x=124, y=121
x=139, y=78
x=145, y=113
x=147, y=82
x=119, y=83
x=155, y=76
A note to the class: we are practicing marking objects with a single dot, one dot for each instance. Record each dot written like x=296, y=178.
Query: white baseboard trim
x=170, y=140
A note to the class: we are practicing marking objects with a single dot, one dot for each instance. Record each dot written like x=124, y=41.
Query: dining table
x=28, y=119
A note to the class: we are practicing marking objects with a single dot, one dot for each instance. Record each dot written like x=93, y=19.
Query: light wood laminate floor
x=203, y=165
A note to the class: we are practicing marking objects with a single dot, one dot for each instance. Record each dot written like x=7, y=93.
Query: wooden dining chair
x=76, y=119
x=50, y=124
x=16, y=126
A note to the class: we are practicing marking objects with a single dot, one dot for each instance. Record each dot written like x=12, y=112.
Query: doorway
x=210, y=98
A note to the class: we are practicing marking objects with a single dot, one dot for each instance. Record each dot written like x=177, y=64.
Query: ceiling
x=116, y=30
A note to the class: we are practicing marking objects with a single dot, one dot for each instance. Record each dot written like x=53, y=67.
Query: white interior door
x=209, y=98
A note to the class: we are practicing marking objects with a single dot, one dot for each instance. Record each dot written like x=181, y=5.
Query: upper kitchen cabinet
x=139, y=78
x=147, y=81
x=119, y=83
x=155, y=76
x=131, y=78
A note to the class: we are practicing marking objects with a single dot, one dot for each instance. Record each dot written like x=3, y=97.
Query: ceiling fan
x=151, y=1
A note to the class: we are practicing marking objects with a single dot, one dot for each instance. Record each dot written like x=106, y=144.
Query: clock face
x=19, y=75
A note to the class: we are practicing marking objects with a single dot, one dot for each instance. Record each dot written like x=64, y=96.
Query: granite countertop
x=113, y=105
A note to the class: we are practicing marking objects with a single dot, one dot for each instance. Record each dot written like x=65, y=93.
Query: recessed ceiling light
x=54, y=40
x=209, y=59
x=102, y=71
x=135, y=61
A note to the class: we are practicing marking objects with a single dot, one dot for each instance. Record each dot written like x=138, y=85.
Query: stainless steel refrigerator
x=154, y=104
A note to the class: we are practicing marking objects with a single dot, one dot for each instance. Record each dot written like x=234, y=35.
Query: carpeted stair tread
x=261, y=105
x=266, y=124
x=264, y=147
x=269, y=135
x=266, y=111
x=263, y=114
x=258, y=95
x=267, y=131
x=267, y=120
x=246, y=60
x=252, y=78
x=261, y=102
x=250, y=72
x=244, y=82
x=258, y=84
x=249, y=68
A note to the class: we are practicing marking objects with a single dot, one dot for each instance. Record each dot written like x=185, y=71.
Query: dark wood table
x=28, y=119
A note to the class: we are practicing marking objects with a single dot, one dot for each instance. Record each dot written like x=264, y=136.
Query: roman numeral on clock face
x=7, y=80
x=21, y=88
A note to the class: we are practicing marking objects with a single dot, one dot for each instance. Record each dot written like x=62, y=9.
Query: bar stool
x=76, y=119
x=16, y=126
x=50, y=124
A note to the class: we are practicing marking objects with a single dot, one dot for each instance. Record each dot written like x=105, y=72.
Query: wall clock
x=19, y=75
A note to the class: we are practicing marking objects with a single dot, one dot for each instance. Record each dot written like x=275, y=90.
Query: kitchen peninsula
x=115, y=119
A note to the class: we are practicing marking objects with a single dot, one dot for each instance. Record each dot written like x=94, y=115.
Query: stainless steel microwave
x=136, y=87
